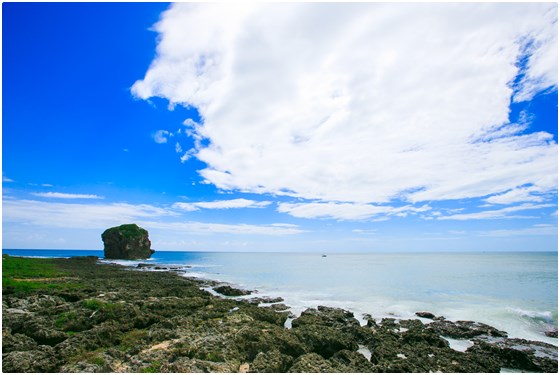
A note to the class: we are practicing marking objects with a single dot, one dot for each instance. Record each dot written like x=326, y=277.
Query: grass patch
x=28, y=274
x=93, y=304
x=153, y=367
x=27, y=268
x=65, y=318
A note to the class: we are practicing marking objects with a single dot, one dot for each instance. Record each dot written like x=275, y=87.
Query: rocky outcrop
x=230, y=291
x=127, y=241
x=106, y=318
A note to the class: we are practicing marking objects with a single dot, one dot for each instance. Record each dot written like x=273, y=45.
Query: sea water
x=514, y=292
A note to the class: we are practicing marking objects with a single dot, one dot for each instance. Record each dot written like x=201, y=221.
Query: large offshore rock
x=127, y=241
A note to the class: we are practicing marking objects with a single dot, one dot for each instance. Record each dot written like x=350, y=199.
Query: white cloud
x=178, y=148
x=223, y=204
x=6, y=179
x=161, y=136
x=76, y=215
x=535, y=230
x=364, y=231
x=66, y=195
x=515, y=196
x=503, y=213
x=30, y=213
x=214, y=228
x=345, y=211
x=362, y=103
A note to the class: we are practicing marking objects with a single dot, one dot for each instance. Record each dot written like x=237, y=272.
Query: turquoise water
x=515, y=292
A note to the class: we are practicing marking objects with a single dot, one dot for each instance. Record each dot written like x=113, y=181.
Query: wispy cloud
x=6, y=179
x=213, y=228
x=504, y=213
x=67, y=195
x=515, y=196
x=221, y=205
x=535, y=230
x=45, y=214
x=418, y=117
x=346, y=211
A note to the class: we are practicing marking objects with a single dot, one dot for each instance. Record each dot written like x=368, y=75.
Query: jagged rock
x=279, y=307
x=258, y=300
x=271, y=361
x=127, y=241
x=518, y=354
x=230, y=291
x=354, y=361
x=312, y=362
x=42, y=360
x=463, y=329
x=325, y=340
x=425, y=314
x=552, y=333
x=328, y=316
x=16, y=342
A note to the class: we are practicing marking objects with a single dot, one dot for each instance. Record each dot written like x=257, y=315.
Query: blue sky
x=286, y=127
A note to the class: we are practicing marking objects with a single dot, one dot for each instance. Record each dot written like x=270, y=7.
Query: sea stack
x=127, y=241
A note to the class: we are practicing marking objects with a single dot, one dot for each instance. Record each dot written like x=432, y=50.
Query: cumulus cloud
x=223, y=204
x=66, y=195
x=361, y=103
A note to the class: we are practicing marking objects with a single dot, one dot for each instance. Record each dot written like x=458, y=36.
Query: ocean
x=514, y=292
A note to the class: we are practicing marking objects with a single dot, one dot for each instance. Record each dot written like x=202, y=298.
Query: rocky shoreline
x=107, y=318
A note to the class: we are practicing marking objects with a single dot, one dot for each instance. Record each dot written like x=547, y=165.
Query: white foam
x=364, y=351
x=458, y=345
x=545, y=316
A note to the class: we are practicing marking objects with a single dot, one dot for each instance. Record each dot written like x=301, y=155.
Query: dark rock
x=425, y=314
x=465, y=329
x=313, y=363
x=42, y=360
x=353, y=361
x=230, y=291
x=279, y=307
x=17, y=342
x=255, y=339
x=258, y=300
x=325, y=340
x=127, y=241
x=552, y=333
x=327, y=316
x=517, y=353
x=271, y=361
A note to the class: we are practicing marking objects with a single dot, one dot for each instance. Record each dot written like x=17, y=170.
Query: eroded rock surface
x=109, y=319
x=127, y=241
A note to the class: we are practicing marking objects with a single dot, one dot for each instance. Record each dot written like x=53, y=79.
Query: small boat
x=324, y=256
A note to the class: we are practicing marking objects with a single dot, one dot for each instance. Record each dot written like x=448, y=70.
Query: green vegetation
x=65, y=318
x=93, y=304
x=28, y=274
x=29, y=268
x=153, y=367
x=127, y=230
